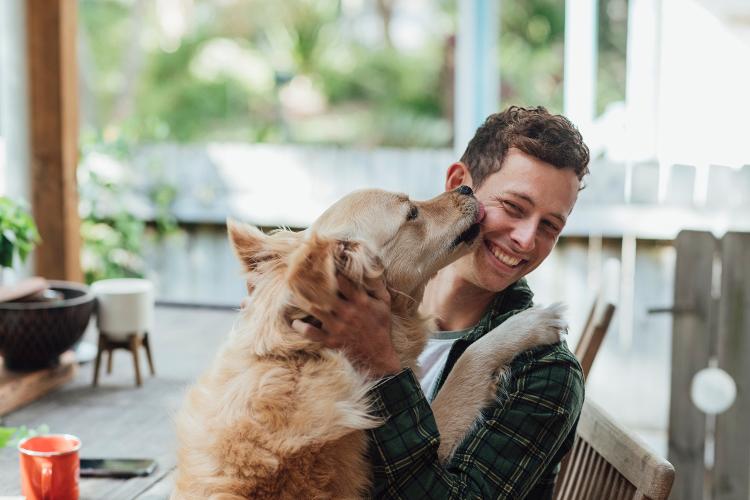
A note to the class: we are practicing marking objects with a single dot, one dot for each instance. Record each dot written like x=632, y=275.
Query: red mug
x=50, y=467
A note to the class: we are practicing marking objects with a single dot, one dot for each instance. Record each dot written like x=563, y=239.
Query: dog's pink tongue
x=480, y=212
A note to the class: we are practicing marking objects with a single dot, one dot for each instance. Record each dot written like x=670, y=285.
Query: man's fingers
x=324, y=316
x=354, y=293
x=346, y=287
x=380, y=291
x=308, y=330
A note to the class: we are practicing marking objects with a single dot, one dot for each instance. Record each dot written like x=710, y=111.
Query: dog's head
x=412, y=239
x=362, y=236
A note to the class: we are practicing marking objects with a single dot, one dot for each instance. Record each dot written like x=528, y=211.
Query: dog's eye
x=413, y=213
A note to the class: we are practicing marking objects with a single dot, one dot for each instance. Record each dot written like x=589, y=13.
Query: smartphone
x=117, y=467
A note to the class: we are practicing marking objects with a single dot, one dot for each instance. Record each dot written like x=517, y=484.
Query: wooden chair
x=593, y=334
x=607, y=462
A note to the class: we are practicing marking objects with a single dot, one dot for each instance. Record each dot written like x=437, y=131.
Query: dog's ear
x=357, y=262
x=312, y=273
x=250, y=244
x=313, y=268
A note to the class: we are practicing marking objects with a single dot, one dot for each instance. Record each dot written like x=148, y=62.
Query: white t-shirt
x=432, y=360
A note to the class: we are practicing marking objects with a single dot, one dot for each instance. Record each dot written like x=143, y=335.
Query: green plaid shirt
x=515, y=452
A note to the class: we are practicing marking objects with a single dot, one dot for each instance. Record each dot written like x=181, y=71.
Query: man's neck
x=456, y=303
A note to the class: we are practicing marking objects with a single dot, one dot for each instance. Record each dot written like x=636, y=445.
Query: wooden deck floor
x=117, y=419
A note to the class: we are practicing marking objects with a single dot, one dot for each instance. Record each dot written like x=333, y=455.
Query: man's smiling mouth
x=503, y=257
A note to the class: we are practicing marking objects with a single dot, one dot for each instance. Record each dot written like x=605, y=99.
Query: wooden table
x=118, y=419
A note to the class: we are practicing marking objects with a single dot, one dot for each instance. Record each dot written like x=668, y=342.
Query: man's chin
x=495, y=281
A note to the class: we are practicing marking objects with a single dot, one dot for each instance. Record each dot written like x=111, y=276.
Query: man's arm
x=503, y=457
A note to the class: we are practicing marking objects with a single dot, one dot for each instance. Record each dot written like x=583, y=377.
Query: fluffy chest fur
x=274, y=429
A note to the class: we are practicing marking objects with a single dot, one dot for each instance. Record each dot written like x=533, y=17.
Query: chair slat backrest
x=593, y=334
x=607, y=462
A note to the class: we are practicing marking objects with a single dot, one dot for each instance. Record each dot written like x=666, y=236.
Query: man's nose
x=463, y=189
x=524, y=235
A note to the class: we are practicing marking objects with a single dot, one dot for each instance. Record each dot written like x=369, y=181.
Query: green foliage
x=11, y=436
x=6, y=433
x=163, y=195
x=113, y=237
x=149, y=87
x=112, y=247
x=387, y=78
x=532, y=35
x=18, y=233
x=175, y=98
x=185, y=107
x=305, y=23
x=111, y=234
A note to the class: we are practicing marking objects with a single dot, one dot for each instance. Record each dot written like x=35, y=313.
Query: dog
x=278, y=415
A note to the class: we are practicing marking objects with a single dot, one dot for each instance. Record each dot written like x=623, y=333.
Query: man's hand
x=359, y=323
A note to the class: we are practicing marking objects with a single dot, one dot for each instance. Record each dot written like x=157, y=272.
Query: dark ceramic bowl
x=34, y=334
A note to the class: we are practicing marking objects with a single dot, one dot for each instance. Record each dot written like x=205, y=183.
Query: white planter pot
x=125, y=307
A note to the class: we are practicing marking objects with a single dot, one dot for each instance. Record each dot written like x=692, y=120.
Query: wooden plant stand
x=132, y=344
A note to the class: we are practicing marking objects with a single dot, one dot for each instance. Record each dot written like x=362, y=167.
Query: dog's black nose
x=464, y=190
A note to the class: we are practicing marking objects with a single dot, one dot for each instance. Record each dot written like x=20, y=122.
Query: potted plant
x=39, y=319
x=18, y=233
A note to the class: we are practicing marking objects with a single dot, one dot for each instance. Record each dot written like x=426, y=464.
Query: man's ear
x=457, y=175
x=249, y=243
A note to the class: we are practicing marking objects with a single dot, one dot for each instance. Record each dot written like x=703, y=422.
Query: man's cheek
x=493, y=215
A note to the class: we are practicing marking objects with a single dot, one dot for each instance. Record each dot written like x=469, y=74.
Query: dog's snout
x=464, y=190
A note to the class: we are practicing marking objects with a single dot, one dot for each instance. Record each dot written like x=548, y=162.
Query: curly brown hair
x=536, y=132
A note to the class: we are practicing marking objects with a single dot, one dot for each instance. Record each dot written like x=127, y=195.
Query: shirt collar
x=517, y=296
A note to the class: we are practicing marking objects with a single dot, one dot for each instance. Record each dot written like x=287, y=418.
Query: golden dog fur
x=279, y=416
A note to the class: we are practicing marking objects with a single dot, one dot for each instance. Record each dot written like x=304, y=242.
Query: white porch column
x=477, y=89
x=642, y=78
x=579, y=84
x=15, y=177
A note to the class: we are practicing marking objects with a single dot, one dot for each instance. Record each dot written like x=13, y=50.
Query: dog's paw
x=540, y=325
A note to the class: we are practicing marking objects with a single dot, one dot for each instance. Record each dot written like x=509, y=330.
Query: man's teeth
x=505, y=258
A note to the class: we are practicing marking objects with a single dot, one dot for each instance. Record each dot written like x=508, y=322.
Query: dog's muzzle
x=467, y=236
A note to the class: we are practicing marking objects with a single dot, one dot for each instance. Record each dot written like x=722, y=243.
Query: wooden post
x=53, y=116
x=691, y=350
x=732, y=464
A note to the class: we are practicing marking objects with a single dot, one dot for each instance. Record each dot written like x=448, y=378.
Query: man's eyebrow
x=528, y=199
x=558, y=217
x=523, y=196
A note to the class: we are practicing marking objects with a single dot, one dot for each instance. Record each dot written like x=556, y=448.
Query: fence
x=711, y=327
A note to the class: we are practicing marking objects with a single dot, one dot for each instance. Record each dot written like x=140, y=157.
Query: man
x=526, y=166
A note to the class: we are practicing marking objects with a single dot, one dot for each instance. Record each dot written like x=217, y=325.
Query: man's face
x=527, y=203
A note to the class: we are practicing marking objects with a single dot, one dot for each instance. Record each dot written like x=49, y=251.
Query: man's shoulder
x=558, y=352
x=556, y=357
x=551, y=372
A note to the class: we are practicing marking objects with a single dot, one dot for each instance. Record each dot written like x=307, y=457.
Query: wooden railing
x=273, y=185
